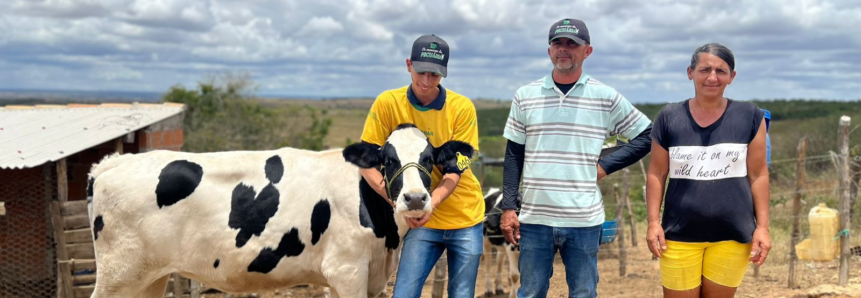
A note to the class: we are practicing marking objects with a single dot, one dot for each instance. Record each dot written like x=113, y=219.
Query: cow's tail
x=107, y=163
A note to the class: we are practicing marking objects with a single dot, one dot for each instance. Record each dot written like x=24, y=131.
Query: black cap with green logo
x=430, y=54
x=570, y=28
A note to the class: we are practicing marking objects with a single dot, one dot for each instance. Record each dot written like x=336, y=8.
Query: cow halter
x=398, y=173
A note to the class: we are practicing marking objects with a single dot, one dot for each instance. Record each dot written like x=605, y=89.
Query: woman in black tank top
x=716, y=203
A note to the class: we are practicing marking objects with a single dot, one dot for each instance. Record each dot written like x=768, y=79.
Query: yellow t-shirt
x=456, y=121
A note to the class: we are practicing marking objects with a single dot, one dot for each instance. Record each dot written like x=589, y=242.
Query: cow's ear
x=453, y=156
x=363, y=155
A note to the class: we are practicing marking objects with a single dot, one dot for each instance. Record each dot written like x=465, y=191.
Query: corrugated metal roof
x=33, y=135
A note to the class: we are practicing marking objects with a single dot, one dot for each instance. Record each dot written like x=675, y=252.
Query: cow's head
x=406, y=161
x=492, y=214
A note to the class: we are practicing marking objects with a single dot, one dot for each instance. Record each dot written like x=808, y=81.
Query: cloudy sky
x=303, y=48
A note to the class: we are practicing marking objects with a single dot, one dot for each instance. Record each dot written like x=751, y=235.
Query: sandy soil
x=642, y=279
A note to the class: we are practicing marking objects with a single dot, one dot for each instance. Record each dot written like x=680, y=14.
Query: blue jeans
x=578, y=248
x=423, y=247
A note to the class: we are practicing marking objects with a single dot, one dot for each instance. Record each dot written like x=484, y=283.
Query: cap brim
x=571, y=37
x=420, y=66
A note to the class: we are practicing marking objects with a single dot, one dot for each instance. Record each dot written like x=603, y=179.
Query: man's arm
x=629, y=153
x=511, y=173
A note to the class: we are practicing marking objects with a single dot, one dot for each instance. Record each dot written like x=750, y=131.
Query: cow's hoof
x=487, y=295
x=499, y=292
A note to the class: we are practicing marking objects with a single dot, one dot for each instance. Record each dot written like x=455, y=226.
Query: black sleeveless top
x=708, y=198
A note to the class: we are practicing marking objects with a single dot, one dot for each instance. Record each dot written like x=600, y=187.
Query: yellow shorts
x=684, y=264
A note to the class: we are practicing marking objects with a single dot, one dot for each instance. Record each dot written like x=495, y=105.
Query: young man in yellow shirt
x=455, y=225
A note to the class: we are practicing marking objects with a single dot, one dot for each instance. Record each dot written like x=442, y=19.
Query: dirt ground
x=643, y=279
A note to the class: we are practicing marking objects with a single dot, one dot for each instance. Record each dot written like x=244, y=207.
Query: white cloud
x=784, y=49
x=321, y=27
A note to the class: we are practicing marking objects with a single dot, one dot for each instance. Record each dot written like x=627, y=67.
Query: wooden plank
x=58, y=224
x=84, y=291
x=84, y=279
x=78, y=236
x=74, y=208
x=65, y=279
x=85, y=264
x=81, y=251
x=76, y=222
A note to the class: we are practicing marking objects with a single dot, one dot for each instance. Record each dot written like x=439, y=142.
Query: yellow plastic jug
x=824, y=224
x=802, y=250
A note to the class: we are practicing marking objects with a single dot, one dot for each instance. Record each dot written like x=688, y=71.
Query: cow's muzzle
x=415, y=200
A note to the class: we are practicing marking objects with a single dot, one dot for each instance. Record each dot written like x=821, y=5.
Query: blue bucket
x=608, y=231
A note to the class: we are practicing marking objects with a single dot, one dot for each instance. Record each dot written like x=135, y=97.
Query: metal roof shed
x=46, y=152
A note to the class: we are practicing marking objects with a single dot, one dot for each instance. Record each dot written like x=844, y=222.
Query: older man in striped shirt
x=555, y=131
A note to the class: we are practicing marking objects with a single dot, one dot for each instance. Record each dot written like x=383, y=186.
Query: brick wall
x=164, y=135
x=26, y=241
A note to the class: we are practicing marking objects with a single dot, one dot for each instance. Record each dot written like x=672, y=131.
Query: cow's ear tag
x=463, y=162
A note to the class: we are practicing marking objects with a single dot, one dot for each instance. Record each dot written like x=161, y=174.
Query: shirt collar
x=549, y=83
x=436, y=104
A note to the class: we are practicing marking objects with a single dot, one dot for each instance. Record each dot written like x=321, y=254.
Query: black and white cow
x=493, y=239
x=250, y=221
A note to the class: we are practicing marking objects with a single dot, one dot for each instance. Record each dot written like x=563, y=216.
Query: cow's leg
x=500, y=258
x=349, y=280
x=488, y=266
x=125, y=268
x=156, y=289
x=513, y=254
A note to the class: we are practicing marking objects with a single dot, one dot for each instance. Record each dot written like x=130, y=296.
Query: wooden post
x=64, y=273
x=439, y=278
x=626, y=193
x=645, y=179
x=68, y=288
x=843, y=276
x=195, y=289
x=62, y=181
x=118, y=145
x=855, y=177
x=800, y=177
x=620, y=209
x=178, y=287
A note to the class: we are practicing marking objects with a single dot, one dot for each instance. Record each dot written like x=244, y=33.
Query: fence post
x=800, y=177
x=62, y=181
x=626, y=192
x=620, y=231
x=194, y=290
x=439, y=278
x=844, y=200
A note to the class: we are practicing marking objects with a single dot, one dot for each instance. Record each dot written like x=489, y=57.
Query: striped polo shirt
x=563, y=135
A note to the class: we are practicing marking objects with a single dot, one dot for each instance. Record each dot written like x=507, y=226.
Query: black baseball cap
x=570, y=28
x=430, y=54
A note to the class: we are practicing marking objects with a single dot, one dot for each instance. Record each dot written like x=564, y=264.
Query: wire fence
x=642, y=277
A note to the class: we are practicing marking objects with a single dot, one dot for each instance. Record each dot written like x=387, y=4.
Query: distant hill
x=31, y=97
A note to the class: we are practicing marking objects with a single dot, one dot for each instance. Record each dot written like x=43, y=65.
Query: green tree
x=223, y=114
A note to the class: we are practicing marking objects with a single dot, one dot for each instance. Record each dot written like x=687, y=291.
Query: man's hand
x=761, y=246
x=601, y=172
x=418, y=222
x=510, y=227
